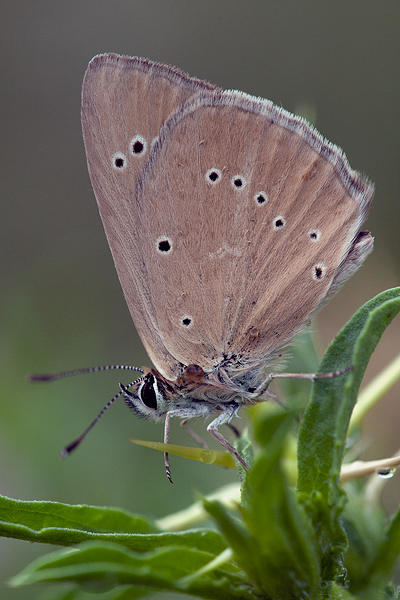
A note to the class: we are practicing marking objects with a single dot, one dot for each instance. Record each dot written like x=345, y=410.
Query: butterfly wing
x=125, y=101
x=246, y=217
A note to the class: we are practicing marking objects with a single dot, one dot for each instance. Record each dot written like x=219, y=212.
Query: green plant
x=279, y=542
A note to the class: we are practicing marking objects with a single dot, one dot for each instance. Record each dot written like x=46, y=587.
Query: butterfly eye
x=148, y=394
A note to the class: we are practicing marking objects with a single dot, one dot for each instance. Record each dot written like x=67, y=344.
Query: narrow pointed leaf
x=210, y=457
x=322, y=435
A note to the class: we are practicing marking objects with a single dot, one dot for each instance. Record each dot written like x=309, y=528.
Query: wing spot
x=138, y=146
x=314, y=235
x=261, y=198
x=213, y=175
x=279, y=222
x=186, y=321
x=238, y=182
x=164, y=245
x=319, y=272
x=119, y=161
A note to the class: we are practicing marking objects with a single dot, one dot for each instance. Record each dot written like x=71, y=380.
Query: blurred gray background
x=61, y=303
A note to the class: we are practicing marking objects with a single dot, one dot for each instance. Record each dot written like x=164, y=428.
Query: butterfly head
x=153, y=396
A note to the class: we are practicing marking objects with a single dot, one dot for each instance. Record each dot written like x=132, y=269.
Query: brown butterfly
x=230, y=222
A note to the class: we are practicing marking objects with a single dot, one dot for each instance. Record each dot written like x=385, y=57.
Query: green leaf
x=322, y=435
x=102, y=566
x=286, y=545
x=204, y=455
x=243, y=543
x=365, y=523
x=385, y=560
x=276, y=519
x=63, y=524
x=275, y=545
x=75, y=592
x=340, y=593
x=42, y=515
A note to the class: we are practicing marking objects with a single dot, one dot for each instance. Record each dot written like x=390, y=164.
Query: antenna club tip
x=68, y=449
x=40, y=377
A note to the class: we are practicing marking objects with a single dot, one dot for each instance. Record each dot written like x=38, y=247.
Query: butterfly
x=230, y=222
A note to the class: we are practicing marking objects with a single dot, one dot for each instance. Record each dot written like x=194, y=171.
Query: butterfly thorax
x=194, y=390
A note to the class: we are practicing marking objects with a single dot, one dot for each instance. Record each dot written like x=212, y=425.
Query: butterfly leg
x=183, y=413
x=166, y=441
x=200, y=440
x=193, y=434
x=309, y=376
x=235, y=430
x=212, y=428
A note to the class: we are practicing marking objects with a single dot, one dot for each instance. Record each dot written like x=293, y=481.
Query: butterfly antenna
x=68, y=449
x=54, y=376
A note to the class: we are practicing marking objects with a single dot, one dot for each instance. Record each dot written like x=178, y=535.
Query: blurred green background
x=61, y=303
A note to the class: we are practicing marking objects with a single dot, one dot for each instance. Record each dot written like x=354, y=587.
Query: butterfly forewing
x=125, y=101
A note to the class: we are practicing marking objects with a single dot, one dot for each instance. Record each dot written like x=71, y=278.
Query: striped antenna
x=53, y=376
